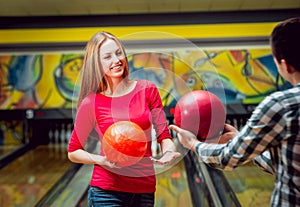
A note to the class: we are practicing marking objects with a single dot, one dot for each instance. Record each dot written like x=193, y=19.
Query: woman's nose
x=115, y=58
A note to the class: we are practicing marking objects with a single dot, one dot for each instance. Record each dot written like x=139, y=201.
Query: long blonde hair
x=93, y=79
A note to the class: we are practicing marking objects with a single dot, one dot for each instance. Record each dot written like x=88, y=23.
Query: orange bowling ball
x=202, y=113
x=124, y=143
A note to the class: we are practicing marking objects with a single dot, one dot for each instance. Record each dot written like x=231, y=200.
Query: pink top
x=142, y=106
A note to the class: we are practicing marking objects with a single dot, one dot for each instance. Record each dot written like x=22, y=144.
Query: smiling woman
x=107, y=96
x=113, y=61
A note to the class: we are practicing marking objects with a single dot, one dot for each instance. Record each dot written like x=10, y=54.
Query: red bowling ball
x=202, y=113
x=124, y=143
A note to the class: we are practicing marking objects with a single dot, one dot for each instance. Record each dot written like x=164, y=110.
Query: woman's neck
x=119, y=88
x=117, y=85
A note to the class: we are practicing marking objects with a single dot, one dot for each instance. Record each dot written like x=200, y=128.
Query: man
x=271, y=136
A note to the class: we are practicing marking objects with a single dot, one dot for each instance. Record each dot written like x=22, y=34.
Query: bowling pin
x=56, y=141
x=50, y=135
x=62, y=141
x=68, y=132
x=51, y=140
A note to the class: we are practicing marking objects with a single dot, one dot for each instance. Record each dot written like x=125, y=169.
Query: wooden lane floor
x=8, y=149
x=27, y=179
x=172, y=187
x=252, y=186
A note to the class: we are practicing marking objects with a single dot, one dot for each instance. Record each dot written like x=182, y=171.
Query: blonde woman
x=107, y=95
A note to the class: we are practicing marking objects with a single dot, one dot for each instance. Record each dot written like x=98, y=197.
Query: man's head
x=285, y=42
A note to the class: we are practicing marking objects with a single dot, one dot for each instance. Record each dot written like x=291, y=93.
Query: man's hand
x=228, y=133
x=186, y=138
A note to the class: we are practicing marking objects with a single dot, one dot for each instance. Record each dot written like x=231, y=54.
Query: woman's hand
x=166, y=158
x=84, y=157
x=169, y=153
x=102, y=160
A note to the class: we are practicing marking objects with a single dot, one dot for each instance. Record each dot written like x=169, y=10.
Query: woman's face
x=112, y=59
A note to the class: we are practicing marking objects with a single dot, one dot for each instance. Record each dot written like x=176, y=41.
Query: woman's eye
x=106, y=57
x=119, y=53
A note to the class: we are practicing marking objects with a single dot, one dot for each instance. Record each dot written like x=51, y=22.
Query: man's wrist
x=195, y=146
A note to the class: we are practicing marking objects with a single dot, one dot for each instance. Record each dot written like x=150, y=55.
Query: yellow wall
x=65, y=35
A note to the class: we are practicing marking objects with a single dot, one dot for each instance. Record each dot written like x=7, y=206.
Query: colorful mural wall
x=49, y=80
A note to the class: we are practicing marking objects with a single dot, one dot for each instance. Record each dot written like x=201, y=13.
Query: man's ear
x=286, y=67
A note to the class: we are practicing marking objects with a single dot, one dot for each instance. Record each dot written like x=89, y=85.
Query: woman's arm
x=169, y=152
x=167, y=145
x=83, y=126
x=84, y=157
x=160, y=124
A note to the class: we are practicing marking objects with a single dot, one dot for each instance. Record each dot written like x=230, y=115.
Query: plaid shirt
x=271, y=138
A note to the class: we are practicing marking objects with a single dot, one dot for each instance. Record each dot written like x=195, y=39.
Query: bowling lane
x=8, y=149
x=27, y=179
x=184, y=184
x=252, y=186
x=246, y=186
x=172, y=187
